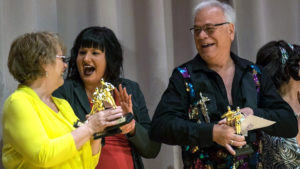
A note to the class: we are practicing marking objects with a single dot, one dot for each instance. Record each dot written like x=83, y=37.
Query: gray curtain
x=154, y=34
x=260, y=21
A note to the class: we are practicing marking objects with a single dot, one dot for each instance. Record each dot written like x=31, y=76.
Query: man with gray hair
x=200, y=91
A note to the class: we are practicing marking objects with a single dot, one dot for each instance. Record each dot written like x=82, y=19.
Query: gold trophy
x=102, y=96
x=103, y=99
x=235, y=119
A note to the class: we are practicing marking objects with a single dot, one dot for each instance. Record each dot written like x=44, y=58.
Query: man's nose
x=202, y=34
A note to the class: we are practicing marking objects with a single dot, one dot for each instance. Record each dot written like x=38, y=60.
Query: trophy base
x=121, y=120
x=112, y=130
x=245, y=150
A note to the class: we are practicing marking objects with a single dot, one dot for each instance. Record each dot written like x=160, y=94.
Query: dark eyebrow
x=195, y=26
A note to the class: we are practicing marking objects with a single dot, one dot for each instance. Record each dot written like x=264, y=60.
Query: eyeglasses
x=208, y=28
x=63, y=58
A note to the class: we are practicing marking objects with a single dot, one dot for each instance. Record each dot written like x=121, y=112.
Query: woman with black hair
x=282, y=60
x=97, y=54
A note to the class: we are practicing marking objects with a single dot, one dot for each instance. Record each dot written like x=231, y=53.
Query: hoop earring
x=46, y=74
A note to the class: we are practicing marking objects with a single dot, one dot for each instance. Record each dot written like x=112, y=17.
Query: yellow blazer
x=34, y=136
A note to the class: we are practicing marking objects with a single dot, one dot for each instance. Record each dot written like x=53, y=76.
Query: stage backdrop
x=154, y=35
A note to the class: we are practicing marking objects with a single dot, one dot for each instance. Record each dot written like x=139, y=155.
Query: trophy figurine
x=243, y=124
x=103, y=96
x=235, y=119
x=103, y=99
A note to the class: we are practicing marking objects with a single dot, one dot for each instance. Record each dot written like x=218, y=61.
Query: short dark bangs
x=92, y=40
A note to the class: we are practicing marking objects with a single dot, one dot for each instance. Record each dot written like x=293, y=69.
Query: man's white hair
x=229, y=12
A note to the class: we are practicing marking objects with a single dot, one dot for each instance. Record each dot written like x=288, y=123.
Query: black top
x=170, y=122
x=74, y=92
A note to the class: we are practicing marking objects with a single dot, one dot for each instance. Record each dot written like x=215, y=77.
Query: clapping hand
x=126, y=104
x=124, y=99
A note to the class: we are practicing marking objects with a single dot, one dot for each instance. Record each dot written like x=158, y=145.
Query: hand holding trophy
x=104, y=102
x=243, y=124
x=235, y=119
x=103, y=99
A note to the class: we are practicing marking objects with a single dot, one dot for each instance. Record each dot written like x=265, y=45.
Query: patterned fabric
x=255, y=72
x=170, y=124
x=280, y=152
x=215, y=157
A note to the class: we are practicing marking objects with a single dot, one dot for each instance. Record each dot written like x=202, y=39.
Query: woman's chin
x=91, y=81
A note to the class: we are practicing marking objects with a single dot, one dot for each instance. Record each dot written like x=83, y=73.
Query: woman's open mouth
x=88, y=70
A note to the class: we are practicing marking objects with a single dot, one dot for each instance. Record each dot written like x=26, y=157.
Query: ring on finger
x=231, y=142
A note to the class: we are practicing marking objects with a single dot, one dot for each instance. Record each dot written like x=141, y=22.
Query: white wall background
x=154, y=35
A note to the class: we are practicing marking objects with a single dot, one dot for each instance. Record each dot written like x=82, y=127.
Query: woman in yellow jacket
x=38, y=129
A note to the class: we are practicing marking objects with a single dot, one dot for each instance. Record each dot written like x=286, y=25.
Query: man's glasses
x=208, y=28
x=63, y=58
